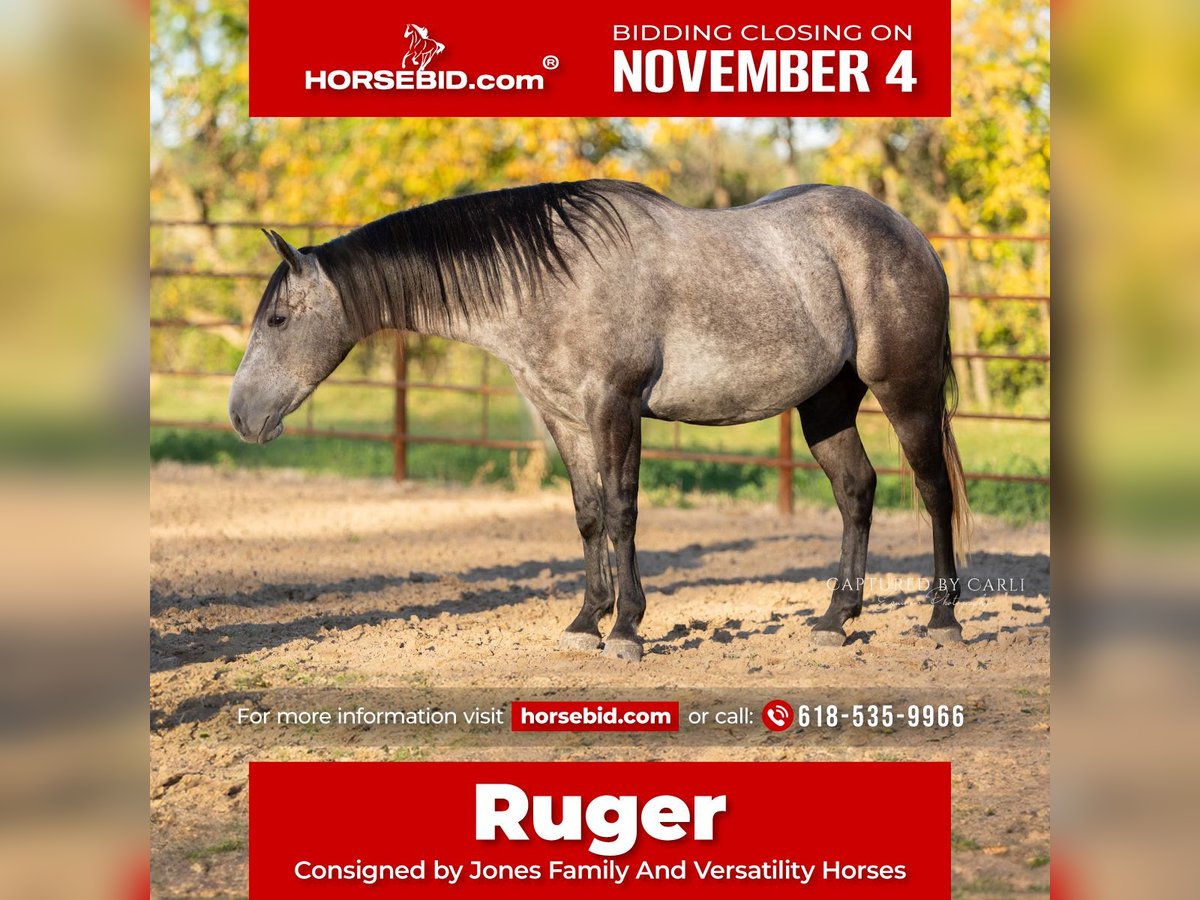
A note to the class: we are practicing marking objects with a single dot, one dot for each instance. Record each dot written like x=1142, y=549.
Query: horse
x=611, y=303
x=421, y=48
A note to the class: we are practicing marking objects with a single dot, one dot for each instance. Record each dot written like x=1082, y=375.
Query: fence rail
x=401, y=438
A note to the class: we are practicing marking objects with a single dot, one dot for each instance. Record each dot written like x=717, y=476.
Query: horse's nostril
x=237, y=423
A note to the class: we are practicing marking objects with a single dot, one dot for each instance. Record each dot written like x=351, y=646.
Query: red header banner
x=661, y=830
x=772, y=58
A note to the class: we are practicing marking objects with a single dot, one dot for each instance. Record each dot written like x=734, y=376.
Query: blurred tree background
x=985, y=170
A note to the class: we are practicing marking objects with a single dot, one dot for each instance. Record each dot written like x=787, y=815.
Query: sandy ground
x=271, y=581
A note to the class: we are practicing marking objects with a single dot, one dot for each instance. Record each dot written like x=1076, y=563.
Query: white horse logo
x=421, y=47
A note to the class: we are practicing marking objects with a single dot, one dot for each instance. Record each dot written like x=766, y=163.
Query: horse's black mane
x=454, y=258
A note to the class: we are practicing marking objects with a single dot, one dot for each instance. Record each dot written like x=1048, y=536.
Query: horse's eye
x=276, y=321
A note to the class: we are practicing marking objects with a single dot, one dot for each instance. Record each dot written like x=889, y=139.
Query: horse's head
x=417, y=30
x=300, y=335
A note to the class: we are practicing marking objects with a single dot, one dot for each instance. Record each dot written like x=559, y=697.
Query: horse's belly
x=712, y=389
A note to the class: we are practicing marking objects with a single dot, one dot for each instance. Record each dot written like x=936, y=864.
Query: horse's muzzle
x=256, y=429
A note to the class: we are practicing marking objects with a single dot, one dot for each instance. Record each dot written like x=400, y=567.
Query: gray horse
x=610, y=303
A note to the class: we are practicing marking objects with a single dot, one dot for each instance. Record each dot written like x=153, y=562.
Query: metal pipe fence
x=401, y=438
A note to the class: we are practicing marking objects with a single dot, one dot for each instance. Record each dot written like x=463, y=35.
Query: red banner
x=774, y=58
x=645, y=829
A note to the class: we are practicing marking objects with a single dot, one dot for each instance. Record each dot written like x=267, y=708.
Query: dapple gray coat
x=610, y=303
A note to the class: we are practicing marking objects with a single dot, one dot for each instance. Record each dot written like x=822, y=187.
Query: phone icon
x=777, y=715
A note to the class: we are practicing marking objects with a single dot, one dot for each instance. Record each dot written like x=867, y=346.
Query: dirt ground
x=270, y=581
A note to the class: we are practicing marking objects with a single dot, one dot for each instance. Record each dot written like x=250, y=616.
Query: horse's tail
x=961, y=519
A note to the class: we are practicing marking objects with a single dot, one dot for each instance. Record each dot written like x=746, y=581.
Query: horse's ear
x=290, y=254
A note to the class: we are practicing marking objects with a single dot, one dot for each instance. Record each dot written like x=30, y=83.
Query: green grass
x=233, y=845
x=407, y=754
x=960, y=842
x=985, y=446
x=985, y=885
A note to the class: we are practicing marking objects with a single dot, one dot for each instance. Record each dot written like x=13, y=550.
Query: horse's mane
x=456, y=257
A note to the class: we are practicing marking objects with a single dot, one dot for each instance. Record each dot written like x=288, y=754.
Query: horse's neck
x=484, y=328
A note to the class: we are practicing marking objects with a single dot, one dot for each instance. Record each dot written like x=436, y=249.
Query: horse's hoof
x=826, y=638
x=620, y=648
x=945, y=636
x=579, y=640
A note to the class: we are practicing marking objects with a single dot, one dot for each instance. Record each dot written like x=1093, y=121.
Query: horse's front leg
x=578, y=455
x=616, y=426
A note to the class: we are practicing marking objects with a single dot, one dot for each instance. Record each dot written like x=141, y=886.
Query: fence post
x=485, y=399
x=400, y=424
x=786, y=468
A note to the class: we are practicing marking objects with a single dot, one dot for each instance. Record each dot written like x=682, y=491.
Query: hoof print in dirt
x=828, y=638
x=630, y=651
x=579, y=641
x=946, y=636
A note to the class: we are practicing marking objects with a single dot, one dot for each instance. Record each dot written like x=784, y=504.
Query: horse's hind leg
x=576, y=450
x=828, y=420
x=917, y=414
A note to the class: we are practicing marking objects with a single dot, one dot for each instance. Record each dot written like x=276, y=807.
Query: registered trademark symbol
x=550, y=62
